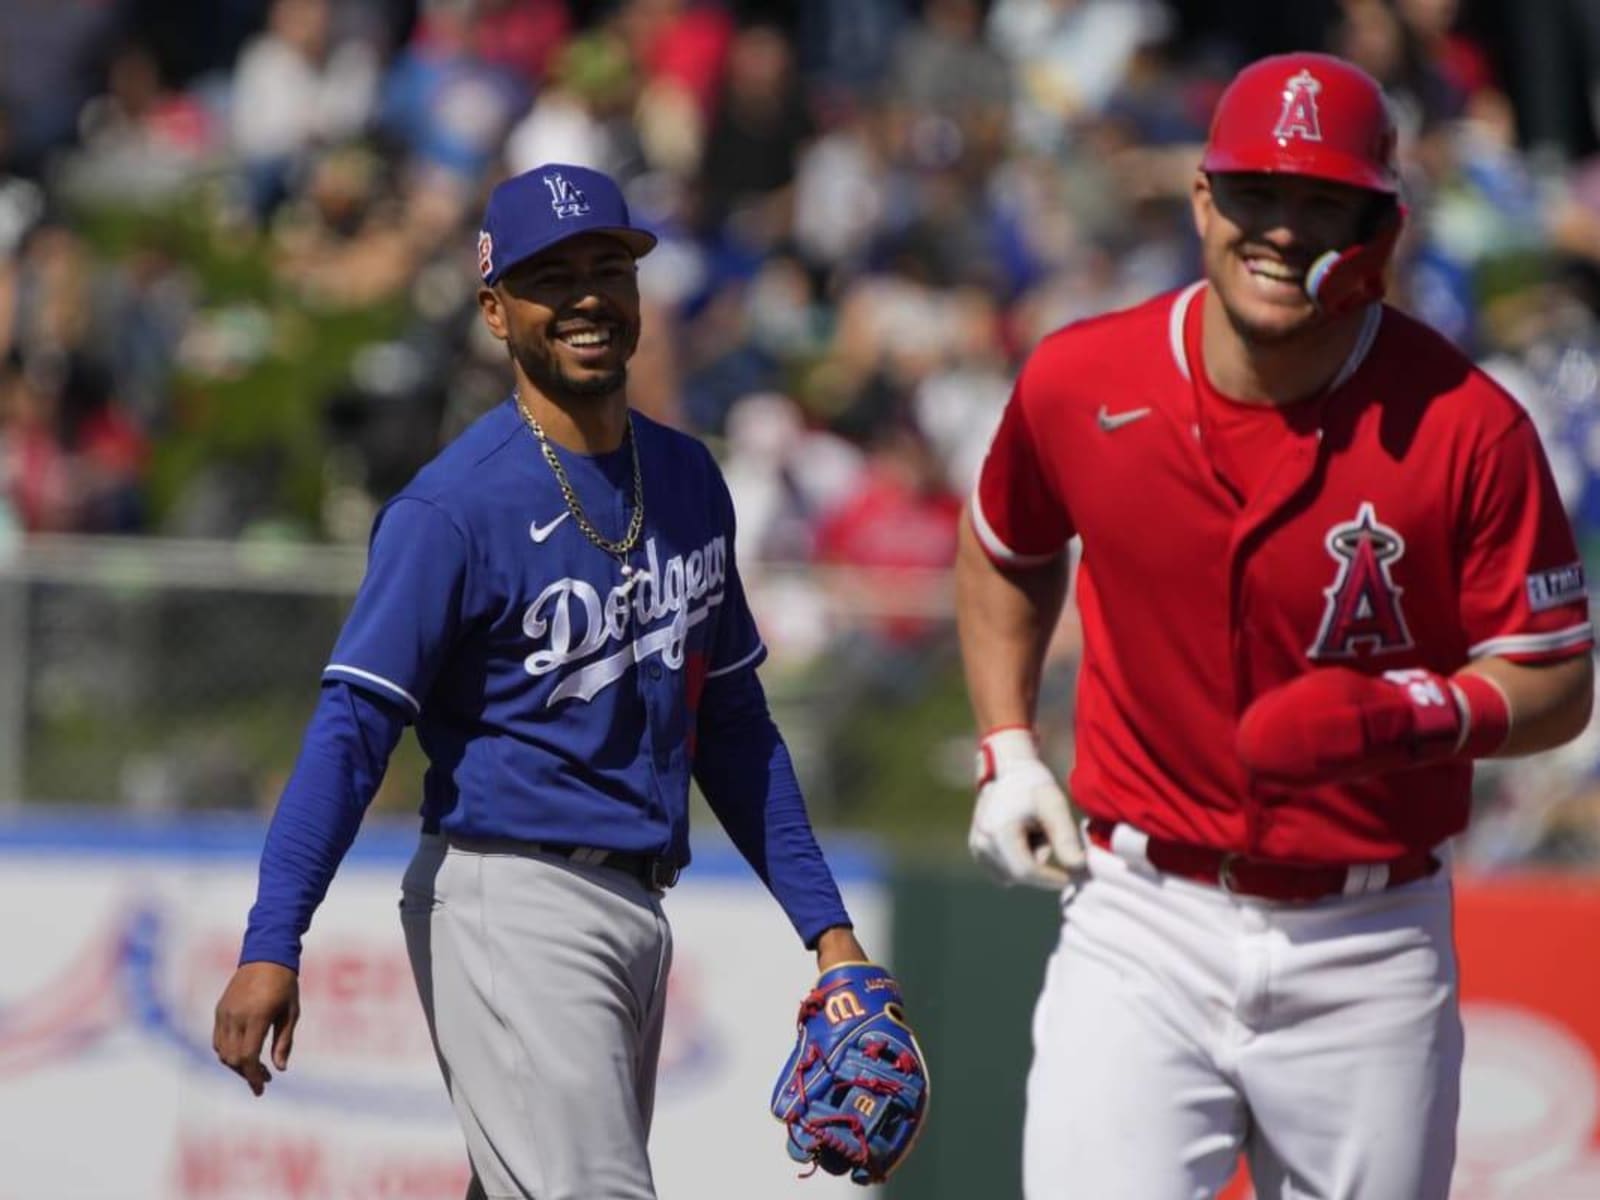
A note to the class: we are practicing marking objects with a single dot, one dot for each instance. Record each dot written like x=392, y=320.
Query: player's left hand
x=854, y=1092
x=1335, y=724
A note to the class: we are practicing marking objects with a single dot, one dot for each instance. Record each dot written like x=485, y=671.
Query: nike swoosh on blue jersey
x=540, y=532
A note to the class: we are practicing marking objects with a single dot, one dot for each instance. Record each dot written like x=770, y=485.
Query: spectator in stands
x=950, y=86
x=1069, y=56
x=444, y=104
x=344, y=240
x=520, y=36
x=679, y=48
x=786, y=479
x=1462, y=60
x=899, y=528
x=70, y=460
x=294, y=90
x=583, y=114
x=759, y=123
x=140, y=139
x=1372, y=35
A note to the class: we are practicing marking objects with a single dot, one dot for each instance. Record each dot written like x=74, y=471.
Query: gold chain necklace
x=618, y=549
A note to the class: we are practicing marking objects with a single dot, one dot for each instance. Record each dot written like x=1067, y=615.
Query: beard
x=545, y=372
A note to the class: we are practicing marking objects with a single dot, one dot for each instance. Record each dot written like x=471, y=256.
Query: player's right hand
x=1022, y=828
x=261, y=996
x=1335, y=724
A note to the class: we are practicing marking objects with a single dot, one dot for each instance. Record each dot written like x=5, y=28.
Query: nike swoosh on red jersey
x=540, y=532
x=1109, y=420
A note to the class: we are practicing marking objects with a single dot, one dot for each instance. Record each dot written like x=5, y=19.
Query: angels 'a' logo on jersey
x=1299, y=118
x=1363, y=604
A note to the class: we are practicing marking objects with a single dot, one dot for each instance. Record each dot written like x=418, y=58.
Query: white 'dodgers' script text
x=671, y=589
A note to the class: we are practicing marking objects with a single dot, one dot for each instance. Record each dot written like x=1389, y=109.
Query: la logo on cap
x=566, y=198
x=1299, y=116
x=485, y=253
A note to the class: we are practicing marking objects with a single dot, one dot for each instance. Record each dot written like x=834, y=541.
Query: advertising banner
x=1529, y=950
x=116, y=942
x=1530, y=986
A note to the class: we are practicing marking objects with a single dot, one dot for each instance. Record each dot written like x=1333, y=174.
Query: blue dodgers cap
x=533, y=211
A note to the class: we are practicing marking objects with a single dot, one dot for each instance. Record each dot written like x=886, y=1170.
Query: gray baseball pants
x=544, y=983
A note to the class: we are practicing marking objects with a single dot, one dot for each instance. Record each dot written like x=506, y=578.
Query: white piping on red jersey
x=998, y=549
x=1180, y=308
x=1372, y=321
x=1534, y=643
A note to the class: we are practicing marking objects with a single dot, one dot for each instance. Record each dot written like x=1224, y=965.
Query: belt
x=652, y=870
x=1259, y=877
x=655, y=871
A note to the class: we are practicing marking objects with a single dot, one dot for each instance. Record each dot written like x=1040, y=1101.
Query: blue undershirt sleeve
x=744, y=770
x=342, y=760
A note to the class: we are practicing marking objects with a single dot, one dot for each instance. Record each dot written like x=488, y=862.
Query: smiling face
x=570, y=317
x=1259, y=234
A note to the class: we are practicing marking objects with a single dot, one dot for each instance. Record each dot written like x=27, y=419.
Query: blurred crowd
x=869, y=211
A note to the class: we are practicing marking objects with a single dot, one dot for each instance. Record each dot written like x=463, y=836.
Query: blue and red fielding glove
x=1334, y=724
x=854, y=1091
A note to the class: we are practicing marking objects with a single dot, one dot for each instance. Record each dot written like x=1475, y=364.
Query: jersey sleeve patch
x=1557, y=586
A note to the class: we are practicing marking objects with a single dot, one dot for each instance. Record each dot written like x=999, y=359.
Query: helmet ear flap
x=1342, y=280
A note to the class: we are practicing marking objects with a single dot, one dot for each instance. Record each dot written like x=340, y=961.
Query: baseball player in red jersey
x=1323, y=568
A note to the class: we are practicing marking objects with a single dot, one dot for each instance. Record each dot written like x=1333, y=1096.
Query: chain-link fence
x=160, y=675
x=168, y=676
x=174, y=676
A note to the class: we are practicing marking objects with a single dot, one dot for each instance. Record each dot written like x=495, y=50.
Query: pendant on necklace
x=629, y=578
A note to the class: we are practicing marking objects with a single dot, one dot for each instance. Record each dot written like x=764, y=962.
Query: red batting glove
x=1335, y=724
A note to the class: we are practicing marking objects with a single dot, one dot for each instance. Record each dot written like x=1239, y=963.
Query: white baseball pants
x=544, y=983
x=1180, y=1025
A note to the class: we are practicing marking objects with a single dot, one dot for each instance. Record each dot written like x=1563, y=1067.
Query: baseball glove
x=854, y=1091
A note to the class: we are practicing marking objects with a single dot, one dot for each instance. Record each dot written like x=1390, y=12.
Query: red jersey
x=1409, y=521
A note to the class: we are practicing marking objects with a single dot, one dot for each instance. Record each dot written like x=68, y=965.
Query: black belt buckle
x=661, y=873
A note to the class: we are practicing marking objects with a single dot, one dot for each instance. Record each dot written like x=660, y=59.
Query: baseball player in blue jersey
x=554, y=603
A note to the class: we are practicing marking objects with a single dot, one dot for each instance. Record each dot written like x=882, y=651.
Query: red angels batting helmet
x=1305, y=114
x=1318, y=116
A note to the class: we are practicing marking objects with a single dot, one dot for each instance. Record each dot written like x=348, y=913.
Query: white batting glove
x=1022, y=830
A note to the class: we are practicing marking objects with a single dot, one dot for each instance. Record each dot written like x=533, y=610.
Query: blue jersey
x=555, y=701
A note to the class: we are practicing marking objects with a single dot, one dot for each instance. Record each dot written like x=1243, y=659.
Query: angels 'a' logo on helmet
x=1299, y=118
x=1363, y=604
